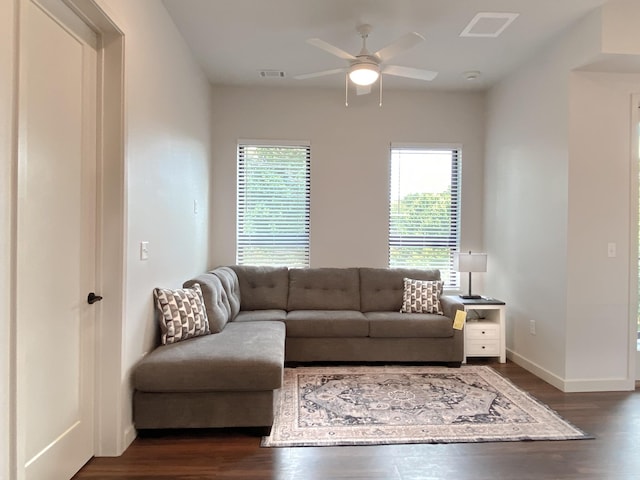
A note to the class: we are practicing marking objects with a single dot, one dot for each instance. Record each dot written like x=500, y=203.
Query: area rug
x=326, y=406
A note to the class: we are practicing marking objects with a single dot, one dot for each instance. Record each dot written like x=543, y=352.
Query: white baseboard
x=130, y=435
x=600, y=385
x=124, y=440
x=536, y=369
x=573, y=385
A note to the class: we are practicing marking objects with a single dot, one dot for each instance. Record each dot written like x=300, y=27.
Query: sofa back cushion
x=324, y=289
x=231, y=286
x=262, y=288
x=215, y=300
x=381, y=289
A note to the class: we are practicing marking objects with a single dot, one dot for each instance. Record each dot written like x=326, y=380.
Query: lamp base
x=471, y=297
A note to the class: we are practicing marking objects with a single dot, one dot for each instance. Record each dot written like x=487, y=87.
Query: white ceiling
x=234, y=39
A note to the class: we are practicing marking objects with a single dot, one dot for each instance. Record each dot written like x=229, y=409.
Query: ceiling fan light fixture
x=364, y=74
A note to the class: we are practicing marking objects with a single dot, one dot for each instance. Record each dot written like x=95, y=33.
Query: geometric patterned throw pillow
x=422, y=296
x=182, y=313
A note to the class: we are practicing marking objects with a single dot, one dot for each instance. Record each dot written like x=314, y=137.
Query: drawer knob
x=483, y=347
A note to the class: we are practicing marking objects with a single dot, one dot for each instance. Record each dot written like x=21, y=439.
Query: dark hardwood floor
x=612, y=417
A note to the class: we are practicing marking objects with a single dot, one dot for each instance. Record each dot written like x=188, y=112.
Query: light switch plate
x=144, y=250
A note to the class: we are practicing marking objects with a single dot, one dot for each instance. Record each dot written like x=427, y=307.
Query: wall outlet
x=532, y=327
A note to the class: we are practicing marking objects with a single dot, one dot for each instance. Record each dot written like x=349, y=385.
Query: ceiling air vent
x=486, y=24
x=272, y=74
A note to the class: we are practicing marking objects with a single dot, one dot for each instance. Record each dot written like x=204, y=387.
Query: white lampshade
x=470, y=262
x=364, y=74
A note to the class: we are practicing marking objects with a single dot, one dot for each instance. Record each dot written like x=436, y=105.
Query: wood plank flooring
x=612, y=417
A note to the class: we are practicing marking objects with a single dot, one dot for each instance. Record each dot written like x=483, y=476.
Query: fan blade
x=363, y=90
x=403, y=43
x=304, y=76
x=327, y=47
x=409, y=72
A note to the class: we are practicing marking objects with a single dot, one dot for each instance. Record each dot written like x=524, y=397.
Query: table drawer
x=482, y=330
x=483, y=347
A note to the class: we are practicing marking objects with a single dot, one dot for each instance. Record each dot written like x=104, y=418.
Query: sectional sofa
x=262, y=317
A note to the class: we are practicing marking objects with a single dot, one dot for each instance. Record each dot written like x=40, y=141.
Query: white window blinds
x=424, y=209
x=273, y=205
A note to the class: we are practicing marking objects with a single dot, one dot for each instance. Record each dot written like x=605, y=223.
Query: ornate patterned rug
x=323, y=406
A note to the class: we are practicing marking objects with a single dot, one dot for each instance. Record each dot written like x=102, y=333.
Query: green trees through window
x=424, y=209
x=273, y=205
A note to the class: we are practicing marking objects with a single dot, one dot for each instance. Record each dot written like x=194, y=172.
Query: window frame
x=243, y=238
x=452, y=240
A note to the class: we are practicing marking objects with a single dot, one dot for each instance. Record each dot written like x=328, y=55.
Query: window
x=424, y=209
x=273, y=204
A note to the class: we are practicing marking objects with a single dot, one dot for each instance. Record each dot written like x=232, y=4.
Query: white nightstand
x=484, y=330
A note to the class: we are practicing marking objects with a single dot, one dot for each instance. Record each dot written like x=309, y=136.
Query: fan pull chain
x=346, y=90
x=380, y=104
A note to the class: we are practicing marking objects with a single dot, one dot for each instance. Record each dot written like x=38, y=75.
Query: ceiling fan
x=365, y=67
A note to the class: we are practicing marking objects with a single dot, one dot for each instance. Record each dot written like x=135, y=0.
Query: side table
x=484, y=332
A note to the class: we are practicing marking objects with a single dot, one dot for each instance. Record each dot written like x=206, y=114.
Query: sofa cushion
x=243, y=357
x=262, y=288
x=422, y=296
x=231, y=286
x=326, y=323
x=408, y=325
x=381, y=289
x=215, y=300
x=324, y=289
x=261, y=315
x=181, y=313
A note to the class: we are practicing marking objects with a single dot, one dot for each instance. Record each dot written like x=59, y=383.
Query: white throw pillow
x=182, y=313
x=422, y=296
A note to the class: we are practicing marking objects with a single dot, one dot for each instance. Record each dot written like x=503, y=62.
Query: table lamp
x=470, y=262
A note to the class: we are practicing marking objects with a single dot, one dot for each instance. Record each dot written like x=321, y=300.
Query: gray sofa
x=262, y=317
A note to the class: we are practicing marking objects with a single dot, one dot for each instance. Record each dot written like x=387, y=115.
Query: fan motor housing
x=366, y=60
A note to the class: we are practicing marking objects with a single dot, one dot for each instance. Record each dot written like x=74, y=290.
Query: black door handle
x=93, y=298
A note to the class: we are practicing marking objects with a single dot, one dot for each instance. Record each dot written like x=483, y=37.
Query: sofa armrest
x=450, y=304
x=215, y=300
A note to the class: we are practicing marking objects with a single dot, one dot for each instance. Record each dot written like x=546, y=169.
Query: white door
x=56, y=242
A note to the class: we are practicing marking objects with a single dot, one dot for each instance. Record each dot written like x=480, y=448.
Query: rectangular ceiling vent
x=272, y=74
x=487, y=24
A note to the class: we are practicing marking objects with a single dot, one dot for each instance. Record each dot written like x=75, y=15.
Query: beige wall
x=350, y=161
x=601, y=211
x=558, y=191
x=167, y=155
x=620, y=33
x=526, y=199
